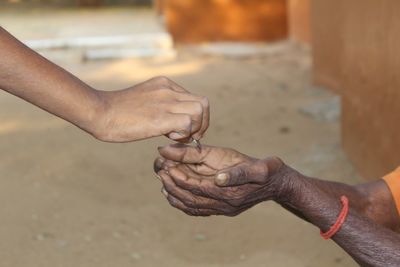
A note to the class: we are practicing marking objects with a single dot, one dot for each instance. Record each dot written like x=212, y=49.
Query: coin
x=198, y=144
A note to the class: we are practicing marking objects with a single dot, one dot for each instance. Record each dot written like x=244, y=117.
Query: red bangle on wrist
x=340, y=220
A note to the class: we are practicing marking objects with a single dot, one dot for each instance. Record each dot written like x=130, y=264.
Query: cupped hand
x=153, y=108
x=215, y=181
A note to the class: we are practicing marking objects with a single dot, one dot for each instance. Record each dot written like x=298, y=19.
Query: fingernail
x=165, y=193
x=158, y=177
x=158, y=163
x=221, y=179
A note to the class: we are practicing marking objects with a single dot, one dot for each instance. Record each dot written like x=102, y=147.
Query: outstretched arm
x=31, y=77
x=155, y=107
x=224, y=182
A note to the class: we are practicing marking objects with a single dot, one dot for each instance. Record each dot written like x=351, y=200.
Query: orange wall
x=356, y=52
x=299, y=20
x=328, y=42
x=194, y=21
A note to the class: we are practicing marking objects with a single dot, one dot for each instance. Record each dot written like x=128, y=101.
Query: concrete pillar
x=356, y=52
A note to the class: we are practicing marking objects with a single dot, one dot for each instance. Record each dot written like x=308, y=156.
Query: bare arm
x=155, y=107
x=29, y=76
x=366, y=233
x=221, y=181
x=372, y=200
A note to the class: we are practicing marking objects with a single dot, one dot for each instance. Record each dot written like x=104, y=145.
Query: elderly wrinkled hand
x=215, y=181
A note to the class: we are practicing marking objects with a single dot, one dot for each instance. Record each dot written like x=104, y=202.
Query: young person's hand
x=153, y=108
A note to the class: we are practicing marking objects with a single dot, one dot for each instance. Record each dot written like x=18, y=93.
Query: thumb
x=243, y=174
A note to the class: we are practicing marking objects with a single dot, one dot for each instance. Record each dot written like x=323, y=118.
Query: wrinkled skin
x=219, y=181
x=191, y=179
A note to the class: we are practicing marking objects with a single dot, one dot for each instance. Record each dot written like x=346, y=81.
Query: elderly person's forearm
x=372, y=200
x=368, y=243
x=221, y=181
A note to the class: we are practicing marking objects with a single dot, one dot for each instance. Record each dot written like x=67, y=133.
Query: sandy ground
x=69, y=200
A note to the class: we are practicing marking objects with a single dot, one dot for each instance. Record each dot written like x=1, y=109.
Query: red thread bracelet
x=340, y=220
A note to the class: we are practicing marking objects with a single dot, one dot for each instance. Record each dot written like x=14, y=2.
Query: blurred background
x=313, y=82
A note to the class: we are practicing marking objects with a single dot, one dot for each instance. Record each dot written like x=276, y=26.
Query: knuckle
x=163, y=91
x=158, y=164
x=161, y=79
x=192, y=212
x=210, y=192
x=103, y=136
x=259, y=179
x=172, y=202
x=238, y=177
x=195, y=212
x=205, y=101
x=234, y=213
x=186, y=121
x=190, y=202
x=196, y=191
x=168, y=188
x=225, y=208
x=197, y=108
x=237, y=202
x=245, y=173
x=188, y=212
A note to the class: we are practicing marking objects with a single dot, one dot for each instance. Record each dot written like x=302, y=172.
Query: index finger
x=176, y=87
x=206, y=118
x=184, y=95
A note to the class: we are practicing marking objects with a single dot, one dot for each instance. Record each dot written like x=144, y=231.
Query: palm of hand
x=188, y=176
x=214, y=159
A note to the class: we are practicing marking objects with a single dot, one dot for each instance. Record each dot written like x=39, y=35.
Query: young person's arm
x=155, y=107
